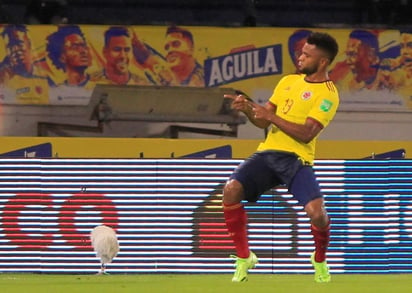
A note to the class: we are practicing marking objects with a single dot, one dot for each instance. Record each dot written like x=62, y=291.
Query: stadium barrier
x=156, y=104
x=167, y=214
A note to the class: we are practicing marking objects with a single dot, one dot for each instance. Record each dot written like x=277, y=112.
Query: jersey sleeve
x=325, y=108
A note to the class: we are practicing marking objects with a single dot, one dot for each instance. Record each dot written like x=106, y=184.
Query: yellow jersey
x=25, y=88
x=100, y=77
x=296, y=100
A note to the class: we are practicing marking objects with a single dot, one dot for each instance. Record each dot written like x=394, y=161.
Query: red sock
x=321, y=237
x=236, y=223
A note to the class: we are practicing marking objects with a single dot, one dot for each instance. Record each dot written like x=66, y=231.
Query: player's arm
x=5, y=68
x=142, y=53
x=301, y=132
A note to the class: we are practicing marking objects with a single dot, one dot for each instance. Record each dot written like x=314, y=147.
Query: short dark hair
x=366, y=37
x=185, y=33
x=55, y=43
x=115, y=31
x=297, y=36
x=405, y=30
x=9, y=33
x=324, y=42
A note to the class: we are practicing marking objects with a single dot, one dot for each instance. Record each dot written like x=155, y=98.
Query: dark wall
x=219, y=12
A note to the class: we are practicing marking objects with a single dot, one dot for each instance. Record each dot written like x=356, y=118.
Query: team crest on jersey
x=306, y=95
x=39, y=90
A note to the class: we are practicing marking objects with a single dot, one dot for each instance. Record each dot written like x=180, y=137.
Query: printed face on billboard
x=117, y=54
x=179, y=49
x=76, y=52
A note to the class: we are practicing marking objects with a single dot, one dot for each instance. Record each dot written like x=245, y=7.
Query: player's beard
x=122, y=67
x=80, y=68
x=309, y=70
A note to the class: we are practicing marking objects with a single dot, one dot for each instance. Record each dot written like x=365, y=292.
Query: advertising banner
x=131, y=148
x=169, y=219
x=60, y=65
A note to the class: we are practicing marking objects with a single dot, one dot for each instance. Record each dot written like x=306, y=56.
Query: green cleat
x=321, y=270
x=242, y=266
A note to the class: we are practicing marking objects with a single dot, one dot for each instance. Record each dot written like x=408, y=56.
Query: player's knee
x=320, y=220
x=232, y=192
x=317, y=213
x=319, y=217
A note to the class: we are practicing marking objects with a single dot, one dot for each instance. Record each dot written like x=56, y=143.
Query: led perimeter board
x=168, y=217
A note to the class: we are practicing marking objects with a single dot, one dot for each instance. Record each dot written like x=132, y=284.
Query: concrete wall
x=19, y=120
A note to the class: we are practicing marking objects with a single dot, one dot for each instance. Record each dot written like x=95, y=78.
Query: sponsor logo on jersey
x=23, y=90
x=39, y=90
x=326, y=105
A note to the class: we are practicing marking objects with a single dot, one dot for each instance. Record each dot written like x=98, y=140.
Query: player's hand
x=260, y=112
x=140, y=51
x=240, y=103
x=17, y=57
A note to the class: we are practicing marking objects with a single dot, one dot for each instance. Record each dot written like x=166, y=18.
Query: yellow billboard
x=60, y=65
x=154, y=148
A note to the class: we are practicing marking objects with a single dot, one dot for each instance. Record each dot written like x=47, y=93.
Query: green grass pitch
x=192, y=283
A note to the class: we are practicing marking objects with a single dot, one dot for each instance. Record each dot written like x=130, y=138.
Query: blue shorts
x=268, y=169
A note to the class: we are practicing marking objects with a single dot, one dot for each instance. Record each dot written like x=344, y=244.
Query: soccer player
x=23, y=74
x=117, y=51
x=179, y=46
x=300, y=107
x=179, y=66
x=359, y=70
x=399, y=70
x=68, y=50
